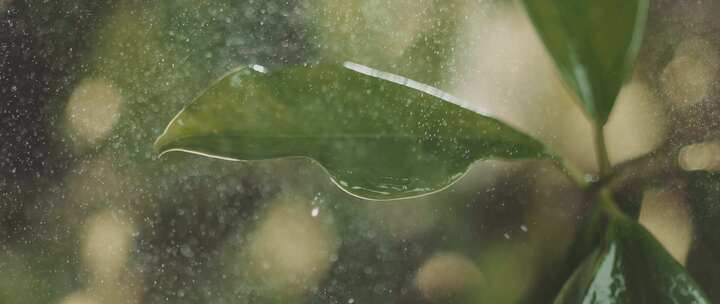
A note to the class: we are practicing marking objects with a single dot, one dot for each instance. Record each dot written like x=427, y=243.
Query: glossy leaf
x=630, y=266
x=591, y=233
x=593, y=43
x=379, y=135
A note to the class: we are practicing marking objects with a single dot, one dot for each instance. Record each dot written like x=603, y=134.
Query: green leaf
x=590, y=234
x=593, y=43
x=379, y=135
x=630, y=266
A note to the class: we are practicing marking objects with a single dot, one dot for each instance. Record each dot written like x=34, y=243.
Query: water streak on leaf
x=379, y=135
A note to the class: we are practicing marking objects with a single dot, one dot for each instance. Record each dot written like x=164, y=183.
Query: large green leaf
x=593, y=43
x=630, y=266
x=379, y=135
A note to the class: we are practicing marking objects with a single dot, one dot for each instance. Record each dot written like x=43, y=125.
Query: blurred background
x=89, y=214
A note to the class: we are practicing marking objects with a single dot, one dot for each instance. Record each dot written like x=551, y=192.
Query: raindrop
x=259, y=68
x=315, y=211
x=590, y=178
x=236, y=81
x=186, y=251
x=523, y=228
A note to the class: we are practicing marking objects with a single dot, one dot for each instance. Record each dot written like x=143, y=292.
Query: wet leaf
x=379, y=135
x=593, y=44
x=630, y=266
x=588, y=236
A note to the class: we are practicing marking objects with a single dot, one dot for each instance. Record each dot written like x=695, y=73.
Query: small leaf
x=630, y=266
x=379, y=135
x=593, y=43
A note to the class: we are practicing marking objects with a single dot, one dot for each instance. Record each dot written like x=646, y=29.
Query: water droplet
x=351, y=301
x=315, y=211
x=506, y=235
x=186, y=251
x=590, y=178
x=523, y=228
x=236, y=81
x=259, y=68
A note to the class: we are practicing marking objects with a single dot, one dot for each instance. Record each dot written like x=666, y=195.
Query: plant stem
x=609, y=205
x=600, y=188
x=651, y=166
x=601, y=152
x=570, y=171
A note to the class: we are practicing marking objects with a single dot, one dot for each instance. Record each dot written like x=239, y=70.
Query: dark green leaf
x=593, y=43
x=589, y=235
x=379, y=135
x=630, y=266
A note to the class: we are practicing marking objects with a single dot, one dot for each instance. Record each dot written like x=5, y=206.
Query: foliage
x=384, y=136
x=593, y=55
x=628, y=265
x=381, y=136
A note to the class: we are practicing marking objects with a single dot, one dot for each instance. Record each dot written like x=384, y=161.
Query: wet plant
x=383, y=136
